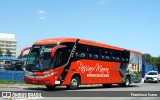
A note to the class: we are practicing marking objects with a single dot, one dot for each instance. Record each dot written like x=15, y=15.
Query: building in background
x=8, y=43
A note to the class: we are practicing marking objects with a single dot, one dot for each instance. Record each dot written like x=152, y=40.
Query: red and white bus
x=72, y=62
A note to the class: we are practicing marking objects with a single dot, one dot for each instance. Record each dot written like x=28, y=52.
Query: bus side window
x=90, y=56
x=102, y=57
x=107, y=58
x=116, y=55
x=58, y=61
x=125, y=57
x=93, y=53
x=113, y=58
x=62, y=56
x=105, y=55
x=82, y=55
x=117, y=59
x=95, y=57
x=80, y=52
x=122, y=59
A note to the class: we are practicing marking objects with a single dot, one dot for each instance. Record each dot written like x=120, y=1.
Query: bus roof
x=133, y=51
x=86, y=42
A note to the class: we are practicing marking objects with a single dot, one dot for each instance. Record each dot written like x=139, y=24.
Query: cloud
x=41, y=12
x=42, y=18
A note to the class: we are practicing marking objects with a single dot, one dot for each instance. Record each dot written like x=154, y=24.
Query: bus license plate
x=57, y=82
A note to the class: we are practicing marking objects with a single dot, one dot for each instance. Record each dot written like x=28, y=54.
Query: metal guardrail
x=9, y=75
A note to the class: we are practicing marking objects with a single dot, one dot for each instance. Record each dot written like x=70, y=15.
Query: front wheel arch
x=75, y=81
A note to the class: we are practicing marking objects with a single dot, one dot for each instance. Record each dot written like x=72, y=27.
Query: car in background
x=152, y=76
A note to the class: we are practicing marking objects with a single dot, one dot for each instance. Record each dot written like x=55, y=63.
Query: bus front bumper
x=39, y=80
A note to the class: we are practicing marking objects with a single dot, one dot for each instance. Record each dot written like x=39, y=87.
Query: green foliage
x=148, y=58
x=1, y=52
x=8, y=53
x=10, y=82
x=25, y=56
x=152, y=60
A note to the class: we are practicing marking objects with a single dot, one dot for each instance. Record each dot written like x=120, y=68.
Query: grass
x=10, y=82
x=5, y=82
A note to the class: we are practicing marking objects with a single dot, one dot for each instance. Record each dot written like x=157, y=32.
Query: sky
x=130, y=24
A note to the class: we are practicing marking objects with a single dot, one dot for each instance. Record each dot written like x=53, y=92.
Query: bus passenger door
x=60, y=58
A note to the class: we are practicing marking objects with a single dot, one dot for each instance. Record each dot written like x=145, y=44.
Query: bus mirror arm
x=54, y=49
x=24, y=49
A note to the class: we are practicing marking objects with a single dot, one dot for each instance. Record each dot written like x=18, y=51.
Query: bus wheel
x=126, y=83
x=74, y=84
x=107, y=85
x=50, y=87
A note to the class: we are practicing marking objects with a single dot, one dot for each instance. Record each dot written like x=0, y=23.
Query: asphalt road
x=85, y=91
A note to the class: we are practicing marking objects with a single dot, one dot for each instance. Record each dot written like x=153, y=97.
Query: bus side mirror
x=54, y=49
x=24, y=49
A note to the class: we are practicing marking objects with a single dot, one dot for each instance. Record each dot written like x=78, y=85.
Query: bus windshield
x=39, y=58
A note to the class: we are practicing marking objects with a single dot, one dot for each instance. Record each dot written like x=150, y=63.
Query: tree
x=158, y=63
x=148, y=58
x=155, y=61
x=1, y=52
x=8, y=53
x=25, y=56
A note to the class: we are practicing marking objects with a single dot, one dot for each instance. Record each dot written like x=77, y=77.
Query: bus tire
x=74, y=84
x=49, y=87
x=126, y=83
x=107, y=85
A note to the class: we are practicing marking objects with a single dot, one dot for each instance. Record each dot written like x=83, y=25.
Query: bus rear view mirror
x=54, y=49
x=24, y=49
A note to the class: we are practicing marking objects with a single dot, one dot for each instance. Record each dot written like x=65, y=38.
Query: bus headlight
x=50, y=74
x=31, y=75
